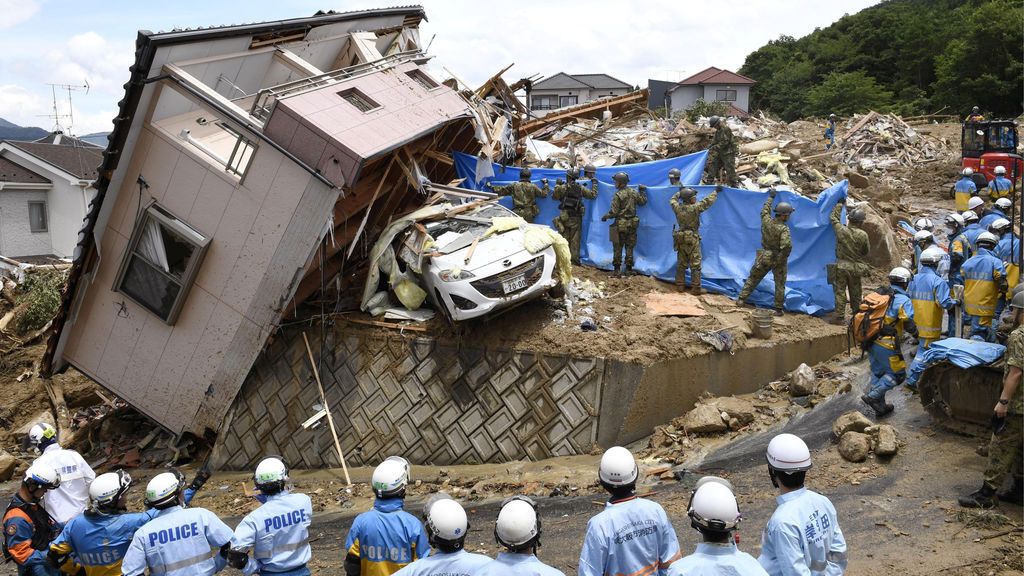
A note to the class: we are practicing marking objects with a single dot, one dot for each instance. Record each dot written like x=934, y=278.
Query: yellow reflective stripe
x=354, y=548
x=382, y=568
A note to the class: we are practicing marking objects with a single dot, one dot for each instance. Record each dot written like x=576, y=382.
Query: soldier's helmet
x=713, y=121
x=621, y=178
x=524, y=173
x=687, y=194
x=571, y=174
x=783, y=208
x=589, y=170
x=858, y=216
x=674, y=173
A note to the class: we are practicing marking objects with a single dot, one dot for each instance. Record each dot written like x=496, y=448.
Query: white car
x=499, y=273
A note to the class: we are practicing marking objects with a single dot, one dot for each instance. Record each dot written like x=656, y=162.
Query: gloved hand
x=201, y=477
x=604, y=218
x=642, y=187
x=544, y=181
x=718, y=187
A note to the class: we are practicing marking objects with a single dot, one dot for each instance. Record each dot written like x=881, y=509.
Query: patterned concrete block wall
x=429, y=401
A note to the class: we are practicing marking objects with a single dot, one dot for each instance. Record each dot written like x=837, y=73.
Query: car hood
x=492, y=249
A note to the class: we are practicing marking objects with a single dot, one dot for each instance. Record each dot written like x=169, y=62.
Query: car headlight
x=455, y=274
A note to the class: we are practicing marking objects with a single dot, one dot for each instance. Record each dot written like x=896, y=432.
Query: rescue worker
x=830, y=132
x=524, y=194
x=590, y=172
x=958, y=247
x=631, y=535
x=923, y=223
x=569, y=222
x=673, y=177
x=930, y=295
x=687, y=238
x=923, y=239
x=518, y=531
x=99, y=537
x=984, y=284
x=888, y=368
x=72, y=497
x=387, y=538
x=1000, y=186
x=28, y=527
x=999, y=209
x=623, y=210
x=714, y=513
x=277, y=532
x=972, y=217
x=447, y=526
x=851, y=250
x=803, y=534
x=776, y=244
x=1007, y=250
x=964, y=189
x=975, y=115
x=178, y=541
x=1005, y=446
x=722, y=153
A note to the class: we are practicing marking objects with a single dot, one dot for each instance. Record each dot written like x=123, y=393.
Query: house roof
x=563, y=81
x=65, y=140
x=80, y=161
x=11, y=171
x=712, y=75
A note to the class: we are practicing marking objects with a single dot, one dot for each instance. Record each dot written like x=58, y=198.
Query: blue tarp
x=731, y=231
x=961, y=352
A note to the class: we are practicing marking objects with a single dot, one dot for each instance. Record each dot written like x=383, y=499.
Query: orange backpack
x=867, y=322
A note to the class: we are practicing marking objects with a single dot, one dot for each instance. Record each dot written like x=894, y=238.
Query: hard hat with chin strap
x=900, y=275
x=987, y=238
x=1004, y=203
x=932, y=256
x=41, y=476
x=974, y=202
x=923, y=224
x=618, y=468
x=955, y=219
x=788, y=453
x=271, y=475
x=518, y=524
x=447, y=521
x=163, y=489
x=713, y=507
x=999, y=226
x=107, y=489
x=969, y=216
x=41, y=433
x=390, y=478
x=922, y=236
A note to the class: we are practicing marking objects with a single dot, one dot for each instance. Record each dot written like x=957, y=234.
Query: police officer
x=923, y=223
x=930, y=295
x=1005, y=446
x=999, y=209
x=517, y=530
x=972, y=220
x=623, y=210
x=1007, y=250
x=28, y=528
x=714, y=513
x=387, y=538
x=984, y=284
x=179, y=541
x=722, y=154
x=569, y=221
x=830, y=132
x=277, y=532
x=1000, y=186
x=631, y=535
x=687, y=237
x=888, y=368
x=776, y=244
x=851, y=251
x=72, y=497
x=524, y=194
x=447, y=526
x=99, y=537
x=964, y=189
x=803, y=534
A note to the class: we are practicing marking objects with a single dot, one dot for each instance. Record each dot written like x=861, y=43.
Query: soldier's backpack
x=867, y=323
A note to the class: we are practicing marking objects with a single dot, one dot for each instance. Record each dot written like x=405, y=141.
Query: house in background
x=45, y=190
x=711, y=84
x=562, y=90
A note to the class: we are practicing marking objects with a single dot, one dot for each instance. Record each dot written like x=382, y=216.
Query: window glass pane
x=37, y=216
x=165, y=250
x=149, y=287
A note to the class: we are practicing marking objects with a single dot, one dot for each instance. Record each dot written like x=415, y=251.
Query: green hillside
x=908, y=56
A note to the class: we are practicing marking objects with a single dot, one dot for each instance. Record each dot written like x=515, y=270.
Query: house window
x=37, y=216
x=422, y=79
x=161, y=263
x=356, y=98
x=543, y=102
x=726, y=95
x=564, y=101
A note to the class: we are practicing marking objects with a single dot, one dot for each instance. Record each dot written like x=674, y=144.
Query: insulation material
x=410, y=294
x=537, y=238
x=503, y=224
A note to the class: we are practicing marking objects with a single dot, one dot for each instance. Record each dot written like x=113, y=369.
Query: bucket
x=761, y=321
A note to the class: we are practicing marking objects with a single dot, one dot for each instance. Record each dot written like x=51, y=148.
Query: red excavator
x=987, y=144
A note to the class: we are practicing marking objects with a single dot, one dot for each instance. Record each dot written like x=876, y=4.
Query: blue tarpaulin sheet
x=961, y=352
x=730, y=230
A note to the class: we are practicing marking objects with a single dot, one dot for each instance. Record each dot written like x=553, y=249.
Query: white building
x=711, y=84
x=563, y=90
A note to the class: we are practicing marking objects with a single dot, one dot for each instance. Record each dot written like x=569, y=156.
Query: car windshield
x=459, y=231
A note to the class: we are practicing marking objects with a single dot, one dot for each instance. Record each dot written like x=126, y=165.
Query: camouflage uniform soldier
x=569, y=221
x=722, y=155
x=623, y=210
x=687, y=237
x=851, y=249
x=1004, y=449
x=524, y=195
x=773, y=256
x=673, y=177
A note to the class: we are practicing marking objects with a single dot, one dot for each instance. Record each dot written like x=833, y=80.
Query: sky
x=91, y=41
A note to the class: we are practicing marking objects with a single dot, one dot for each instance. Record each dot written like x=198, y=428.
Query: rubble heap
x=881, y=141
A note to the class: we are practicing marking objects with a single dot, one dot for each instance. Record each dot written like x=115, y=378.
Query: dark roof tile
x=81, y=161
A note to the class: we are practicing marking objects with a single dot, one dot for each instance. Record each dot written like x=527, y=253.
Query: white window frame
x=719, y=91
x=46, y=217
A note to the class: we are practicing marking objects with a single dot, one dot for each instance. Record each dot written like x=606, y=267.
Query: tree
x=844, y=93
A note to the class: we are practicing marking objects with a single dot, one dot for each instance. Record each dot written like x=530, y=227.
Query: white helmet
x=41, y=476
x=999, y=226
x=788, y=453
x=987, y=238
x=108, y=488
x=713, y=507
x=618, y=468
x=518, y=525
x=967, y=172
x=1000, y=170
x=271, y=475
x=955, y=219
x=969, y=216
x=922, y=236
x=403, y=462
x=40, y=433
x=1004, y=203
x=924, y=224
x=932, y=256
x=390, y=478
x=974, y=202
x=900, y=275
x=163, y=489
x=447, y=521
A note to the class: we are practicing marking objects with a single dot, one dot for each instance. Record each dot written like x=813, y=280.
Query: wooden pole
x=327, y=408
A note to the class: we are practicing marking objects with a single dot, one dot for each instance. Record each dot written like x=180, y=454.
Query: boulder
x=883, y=250
x=854, y=446
x=704, y=419
x=8, y=464
x=827, y=388
x=803, y=381
x=852, y=421
x=858, y=180
x=738, y=408
x=885, y=441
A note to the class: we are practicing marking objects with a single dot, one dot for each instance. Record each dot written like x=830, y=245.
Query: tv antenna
x=57, y=116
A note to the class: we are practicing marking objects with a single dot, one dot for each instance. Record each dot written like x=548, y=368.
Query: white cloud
x=14, y=12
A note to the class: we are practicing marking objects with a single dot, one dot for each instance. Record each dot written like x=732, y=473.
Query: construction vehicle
x=987, y=144
x=961, y=399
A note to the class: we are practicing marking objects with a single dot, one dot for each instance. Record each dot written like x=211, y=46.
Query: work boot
x=983, y=498
x=615, y=268
x=628, y=271
x=879, y=406
x=779, y=312
x=1015, y=495
x=695, y=288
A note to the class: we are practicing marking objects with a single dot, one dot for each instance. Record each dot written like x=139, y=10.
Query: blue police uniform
x=714, y=559
x=1008, y=250
x=929, y=294
x=277, y=533
x=803, y=537
x=516, y=564
x=888, y=368
x=386, y=538
x=984, y=277
x=178, y=542
x=999, y=187
x=439, y=563
x=962, y=192
x=991, y=216
x=971, y=233
x=630, y=537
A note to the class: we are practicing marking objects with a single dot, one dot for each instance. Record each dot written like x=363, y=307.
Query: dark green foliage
x=906, y=56
x=41, y=291
x=704, y=108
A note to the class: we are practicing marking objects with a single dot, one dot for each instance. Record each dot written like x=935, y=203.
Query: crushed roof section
x=81, y=161
x=11, y=171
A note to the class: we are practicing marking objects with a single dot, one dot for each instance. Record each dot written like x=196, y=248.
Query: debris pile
x=858, y=437
x=877, y=142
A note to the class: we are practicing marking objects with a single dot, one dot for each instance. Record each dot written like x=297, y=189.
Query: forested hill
x=908, y=56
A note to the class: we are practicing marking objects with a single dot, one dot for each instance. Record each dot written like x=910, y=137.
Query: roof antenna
x=57, y=116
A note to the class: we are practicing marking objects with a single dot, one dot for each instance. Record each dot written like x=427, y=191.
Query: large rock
x=883, y=250
x=738, y=408
x=885, y=441
x=8, y=464
x=851, y=421
x=854, y=446
x=803, y=381
x=704, y=419
x=858, y=180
